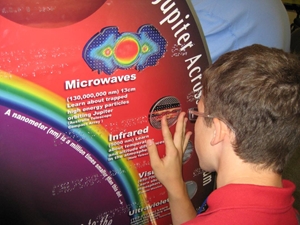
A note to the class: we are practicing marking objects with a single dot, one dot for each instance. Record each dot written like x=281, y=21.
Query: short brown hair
x=256, y=89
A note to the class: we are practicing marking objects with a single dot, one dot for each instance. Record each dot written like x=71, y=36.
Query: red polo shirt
x=245, y=204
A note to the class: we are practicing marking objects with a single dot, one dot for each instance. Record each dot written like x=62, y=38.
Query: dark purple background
x=32, y=164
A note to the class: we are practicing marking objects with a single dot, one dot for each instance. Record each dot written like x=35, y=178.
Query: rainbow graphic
x=109, y=50
x=31, y=99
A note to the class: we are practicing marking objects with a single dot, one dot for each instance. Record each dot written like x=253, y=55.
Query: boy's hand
x=168, y=169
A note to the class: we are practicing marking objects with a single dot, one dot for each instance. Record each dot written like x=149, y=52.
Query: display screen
x=83, y=85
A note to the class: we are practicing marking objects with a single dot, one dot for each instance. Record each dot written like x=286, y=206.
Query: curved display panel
x=79, y=99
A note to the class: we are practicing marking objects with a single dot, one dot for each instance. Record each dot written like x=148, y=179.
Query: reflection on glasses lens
x=192, y=114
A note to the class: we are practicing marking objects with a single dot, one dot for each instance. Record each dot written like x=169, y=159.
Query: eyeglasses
x=193, y=114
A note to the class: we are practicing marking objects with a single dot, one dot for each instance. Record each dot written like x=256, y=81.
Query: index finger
x=167, y=135
x=180, y=131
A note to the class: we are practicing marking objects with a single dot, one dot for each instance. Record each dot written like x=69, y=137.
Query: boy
x=248, y=126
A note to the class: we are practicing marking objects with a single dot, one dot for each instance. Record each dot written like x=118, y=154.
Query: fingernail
x=149, y=142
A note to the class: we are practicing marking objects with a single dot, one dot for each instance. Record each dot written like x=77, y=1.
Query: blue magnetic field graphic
x=109, y=50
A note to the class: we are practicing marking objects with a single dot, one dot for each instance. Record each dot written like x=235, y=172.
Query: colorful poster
x=83, y=85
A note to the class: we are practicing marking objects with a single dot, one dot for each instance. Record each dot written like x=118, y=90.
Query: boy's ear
x=219, y=131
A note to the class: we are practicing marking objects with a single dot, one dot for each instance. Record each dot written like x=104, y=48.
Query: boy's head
x=257, y=91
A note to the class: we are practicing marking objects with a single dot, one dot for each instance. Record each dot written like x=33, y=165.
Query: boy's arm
x=168, y=169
